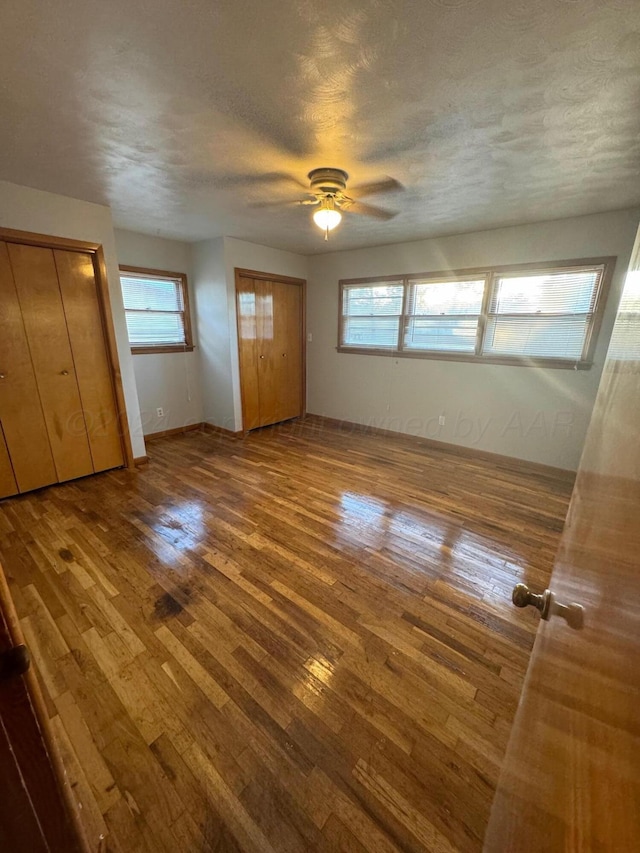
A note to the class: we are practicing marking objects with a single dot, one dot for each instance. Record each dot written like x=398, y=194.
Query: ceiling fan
x=327, y=192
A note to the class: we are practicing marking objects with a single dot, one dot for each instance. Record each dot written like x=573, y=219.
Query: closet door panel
x=287, y=301
x=8, y=485
x=36, y=283
x=248, y=351
x=88, y=345
x=21, y=415
x=268, y=366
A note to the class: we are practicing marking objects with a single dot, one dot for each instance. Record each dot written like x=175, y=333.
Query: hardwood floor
x=298, y=641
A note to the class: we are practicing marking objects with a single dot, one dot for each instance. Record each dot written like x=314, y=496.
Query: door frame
x=46, y=241
x=284, y=279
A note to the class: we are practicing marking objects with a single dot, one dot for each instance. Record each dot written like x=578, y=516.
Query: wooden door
x=37, y=813
x=89, y=349
x=36, y=281
x=248, y=350
x=571, y=776
x=271, y=349
x=8, y=485
x=21, y=415
x=287, y=349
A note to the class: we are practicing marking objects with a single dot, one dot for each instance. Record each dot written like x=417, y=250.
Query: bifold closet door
x=280, y=361
x=24, y=431
x=89, y=349
x=248, y=351
x=36, y=281
x=270, y=350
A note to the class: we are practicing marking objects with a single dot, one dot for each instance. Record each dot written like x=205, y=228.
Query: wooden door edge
x=10, y=620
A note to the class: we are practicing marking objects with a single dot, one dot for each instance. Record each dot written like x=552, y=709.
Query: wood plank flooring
x=298, y=641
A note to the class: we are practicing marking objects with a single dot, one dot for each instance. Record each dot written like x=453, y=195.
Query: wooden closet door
x=280, y=357
x=267, y=374
x=248, y=351
x=36, y=281
x=21, y=415
x=86, y=335
x=287, y=344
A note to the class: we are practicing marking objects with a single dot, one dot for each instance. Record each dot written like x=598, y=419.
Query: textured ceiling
x=183, y=114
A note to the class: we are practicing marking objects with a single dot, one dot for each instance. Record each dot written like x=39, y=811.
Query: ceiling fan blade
x=285, y=202
x=231, y=181
x=281, y=203
x=388, y=185
x=369, y=210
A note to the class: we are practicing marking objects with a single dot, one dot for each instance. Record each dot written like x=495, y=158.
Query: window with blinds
x=156, y=310
x=371, y=315
x=515, y=315
x=443, y=315
x=544, y=314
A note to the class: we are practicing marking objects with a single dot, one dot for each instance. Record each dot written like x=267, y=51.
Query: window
x=156, y=306
x=543, y=315
x=443, y=315
x=372, y=315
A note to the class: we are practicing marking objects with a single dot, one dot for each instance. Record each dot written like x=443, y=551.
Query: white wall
x=534, y=414
x=170, y=381
x=213, y=264
x=27, y=209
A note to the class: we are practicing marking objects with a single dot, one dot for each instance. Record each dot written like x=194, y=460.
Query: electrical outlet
x=441, y=420
x=160, y=412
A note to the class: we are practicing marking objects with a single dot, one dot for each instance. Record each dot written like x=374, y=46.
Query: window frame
x=180, y=277
x=490, y=275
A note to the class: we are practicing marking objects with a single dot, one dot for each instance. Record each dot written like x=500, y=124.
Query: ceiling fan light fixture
x=327, y=217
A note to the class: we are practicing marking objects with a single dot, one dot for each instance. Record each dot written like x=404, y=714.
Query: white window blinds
x=371, y=315
x=542, y=314
x=155, y=310
x=443, y=315
x=545, y=315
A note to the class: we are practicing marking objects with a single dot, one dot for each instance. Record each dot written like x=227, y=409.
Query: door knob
x=2, y=375
x=284, y=355
x=261, y=356
x=64, y=373
x=546, y=603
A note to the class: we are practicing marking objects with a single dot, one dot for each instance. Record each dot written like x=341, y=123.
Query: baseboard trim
x=165, y=433
x=139, y=461
x=560, y=474
x=216, y=430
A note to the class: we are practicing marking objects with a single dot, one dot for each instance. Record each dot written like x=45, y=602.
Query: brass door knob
x=546, y=603
x=64, y=373
x=261, y=356
x=523, y=597
x=284, y=355
x=2, y=375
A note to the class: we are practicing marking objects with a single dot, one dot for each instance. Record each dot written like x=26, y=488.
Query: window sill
x=159, y=349
x=555, y=363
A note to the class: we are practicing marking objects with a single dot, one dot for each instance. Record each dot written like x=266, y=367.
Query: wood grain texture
x=21, y=414
x=8, y=485
x=298, y=641
x=571, y=779
x=76, y=277
x=246, y=310
x=36, y=809
x=36, y=281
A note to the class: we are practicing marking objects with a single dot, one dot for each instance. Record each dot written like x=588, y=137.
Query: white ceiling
x=182, y=114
